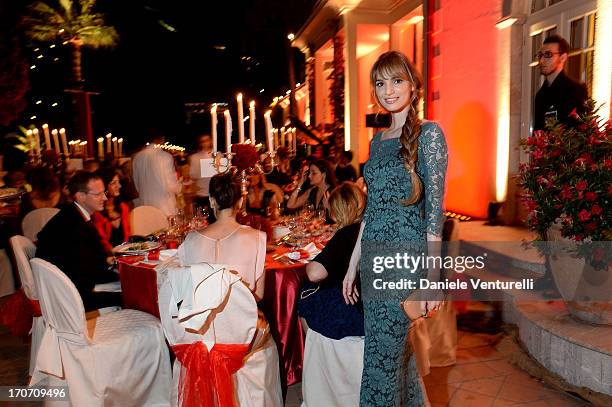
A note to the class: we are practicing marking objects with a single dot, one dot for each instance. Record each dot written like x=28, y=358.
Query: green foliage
x=569, y=177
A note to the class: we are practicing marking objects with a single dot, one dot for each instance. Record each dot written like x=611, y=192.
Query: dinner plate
x=8, y=193
x=136, y=248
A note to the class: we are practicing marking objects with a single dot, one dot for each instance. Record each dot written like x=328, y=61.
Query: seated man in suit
x=71, y=242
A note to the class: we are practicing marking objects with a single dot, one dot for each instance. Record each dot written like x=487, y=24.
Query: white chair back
x=145, y=220
x=34, y=221
x=60, y=302
x=24, y=251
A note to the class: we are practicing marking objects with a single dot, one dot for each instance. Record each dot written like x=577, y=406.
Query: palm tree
x=76, y=23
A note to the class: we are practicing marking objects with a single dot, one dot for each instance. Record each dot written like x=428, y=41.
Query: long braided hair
x=392, y=65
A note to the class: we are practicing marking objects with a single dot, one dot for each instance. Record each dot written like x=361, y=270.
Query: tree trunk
x=76, y=63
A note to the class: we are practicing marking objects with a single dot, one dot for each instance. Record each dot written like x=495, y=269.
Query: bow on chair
x=207, y=376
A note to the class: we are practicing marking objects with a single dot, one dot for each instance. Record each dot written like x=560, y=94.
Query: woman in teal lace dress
x=405, y=178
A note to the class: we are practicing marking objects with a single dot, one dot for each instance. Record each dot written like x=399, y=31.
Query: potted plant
x=568, y=194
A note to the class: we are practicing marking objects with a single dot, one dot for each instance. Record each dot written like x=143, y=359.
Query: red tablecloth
x=280, y=307
x=138, y=284
x=283, y=281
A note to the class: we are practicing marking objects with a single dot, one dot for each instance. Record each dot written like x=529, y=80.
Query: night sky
x=168, y=54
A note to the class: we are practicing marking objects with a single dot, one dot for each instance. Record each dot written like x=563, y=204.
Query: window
x=582, y=44
x=537, y=5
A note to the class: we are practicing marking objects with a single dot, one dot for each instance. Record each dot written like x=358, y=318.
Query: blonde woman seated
x=333, y=354
x=226, y=241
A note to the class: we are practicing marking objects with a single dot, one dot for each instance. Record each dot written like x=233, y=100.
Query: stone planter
x=586, y=292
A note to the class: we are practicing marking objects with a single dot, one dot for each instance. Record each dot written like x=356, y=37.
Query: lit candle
x=30, y=136
x=268, y=122
x=36, y=141
x=213, y=126
x=290, y=139
x=275, y=131
x=83, y=147
x=240, y=119
x=120, y=147
x=115, y=147
x=62, y=133
x=101, y=148
x=282, y=136
x=252, y=122
x=108, y=143
x=294, y=139
x=55, y=140
x=228, y=131
x=47, y=136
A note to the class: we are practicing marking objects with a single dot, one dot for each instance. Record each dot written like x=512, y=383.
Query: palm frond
x=87, y=6
x=98, y=36
x=67, y=6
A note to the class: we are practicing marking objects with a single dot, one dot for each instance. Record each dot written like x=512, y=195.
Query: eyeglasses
x=96, y=194
x=546, y=54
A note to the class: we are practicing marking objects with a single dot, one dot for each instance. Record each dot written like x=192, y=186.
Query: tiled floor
x=482, y=377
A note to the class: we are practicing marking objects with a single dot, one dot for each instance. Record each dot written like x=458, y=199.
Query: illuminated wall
x=464, y=76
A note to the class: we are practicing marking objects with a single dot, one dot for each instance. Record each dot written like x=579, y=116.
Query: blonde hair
x=347, y=203
x=392, y=65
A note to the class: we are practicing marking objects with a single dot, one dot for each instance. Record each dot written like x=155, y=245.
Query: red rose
x=596, y=210
x=594, y=140
x=581, y=185
x=591, y=226
x=530, y=204
x=579, y=237
x=608, y=164
x=566, y=193
x=537, y=154
x=584, y=215
x=590, y=196
x=573, y=114
x=555, y=153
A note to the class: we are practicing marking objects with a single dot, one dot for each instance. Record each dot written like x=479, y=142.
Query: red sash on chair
x=17, y=313
x=207, y=378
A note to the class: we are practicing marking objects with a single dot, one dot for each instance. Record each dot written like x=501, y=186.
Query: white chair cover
x=332, y=370
x=210, y=290
x=117, y=359
x=7, y=282
x=145, y=220
x=34, y=221
x=24, y=250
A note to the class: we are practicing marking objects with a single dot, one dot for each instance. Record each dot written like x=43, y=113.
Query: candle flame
x=45, y=126
x=100, y=139
x=252, y=104
x=109, y=135
x=62, y=130
x=239, y=97
x=54, y=131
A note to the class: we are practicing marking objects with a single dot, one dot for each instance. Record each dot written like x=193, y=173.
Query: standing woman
x=405, y=177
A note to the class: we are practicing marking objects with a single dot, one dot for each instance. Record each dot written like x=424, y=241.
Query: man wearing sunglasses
x=71, y=242
x=559, y=94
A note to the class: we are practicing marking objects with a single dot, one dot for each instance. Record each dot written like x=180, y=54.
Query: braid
x=410, y=148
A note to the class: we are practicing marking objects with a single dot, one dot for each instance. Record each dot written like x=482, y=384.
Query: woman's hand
x=349, y=287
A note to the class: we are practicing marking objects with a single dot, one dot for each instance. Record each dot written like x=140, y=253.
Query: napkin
x=306, y=253
x=112, y=287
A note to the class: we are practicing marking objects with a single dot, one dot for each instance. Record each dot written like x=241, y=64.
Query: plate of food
x=136, y=248
x=8, y=193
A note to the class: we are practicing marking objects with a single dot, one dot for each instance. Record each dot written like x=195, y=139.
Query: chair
x=145, y=220
x=332, y=370
x=220, y=315
x=34, y=221
x=24, y=250
x=7, y=283
x=119, y=358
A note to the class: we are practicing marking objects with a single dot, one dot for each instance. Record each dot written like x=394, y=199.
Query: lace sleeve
x=435, y=155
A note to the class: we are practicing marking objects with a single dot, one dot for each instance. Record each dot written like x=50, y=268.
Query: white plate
x=136, y=248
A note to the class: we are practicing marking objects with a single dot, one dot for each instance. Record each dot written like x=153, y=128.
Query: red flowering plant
x=245, y=156
x=569, y=180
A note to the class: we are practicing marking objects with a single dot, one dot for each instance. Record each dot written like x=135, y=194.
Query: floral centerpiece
x=569, y=181
x=245, y=156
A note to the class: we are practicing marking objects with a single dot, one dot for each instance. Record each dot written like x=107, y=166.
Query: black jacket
x=558, y=100
x=75, y=247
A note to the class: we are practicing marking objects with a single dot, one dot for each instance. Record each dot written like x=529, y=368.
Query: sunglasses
x=546, y=54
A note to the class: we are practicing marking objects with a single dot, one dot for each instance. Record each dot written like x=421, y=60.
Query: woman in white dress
x=226, y=241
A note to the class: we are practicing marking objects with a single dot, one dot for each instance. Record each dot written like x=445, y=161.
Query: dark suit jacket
x=560, y=98
x=76, y=248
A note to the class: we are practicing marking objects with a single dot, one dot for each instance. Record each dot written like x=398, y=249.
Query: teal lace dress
x=389, y=377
